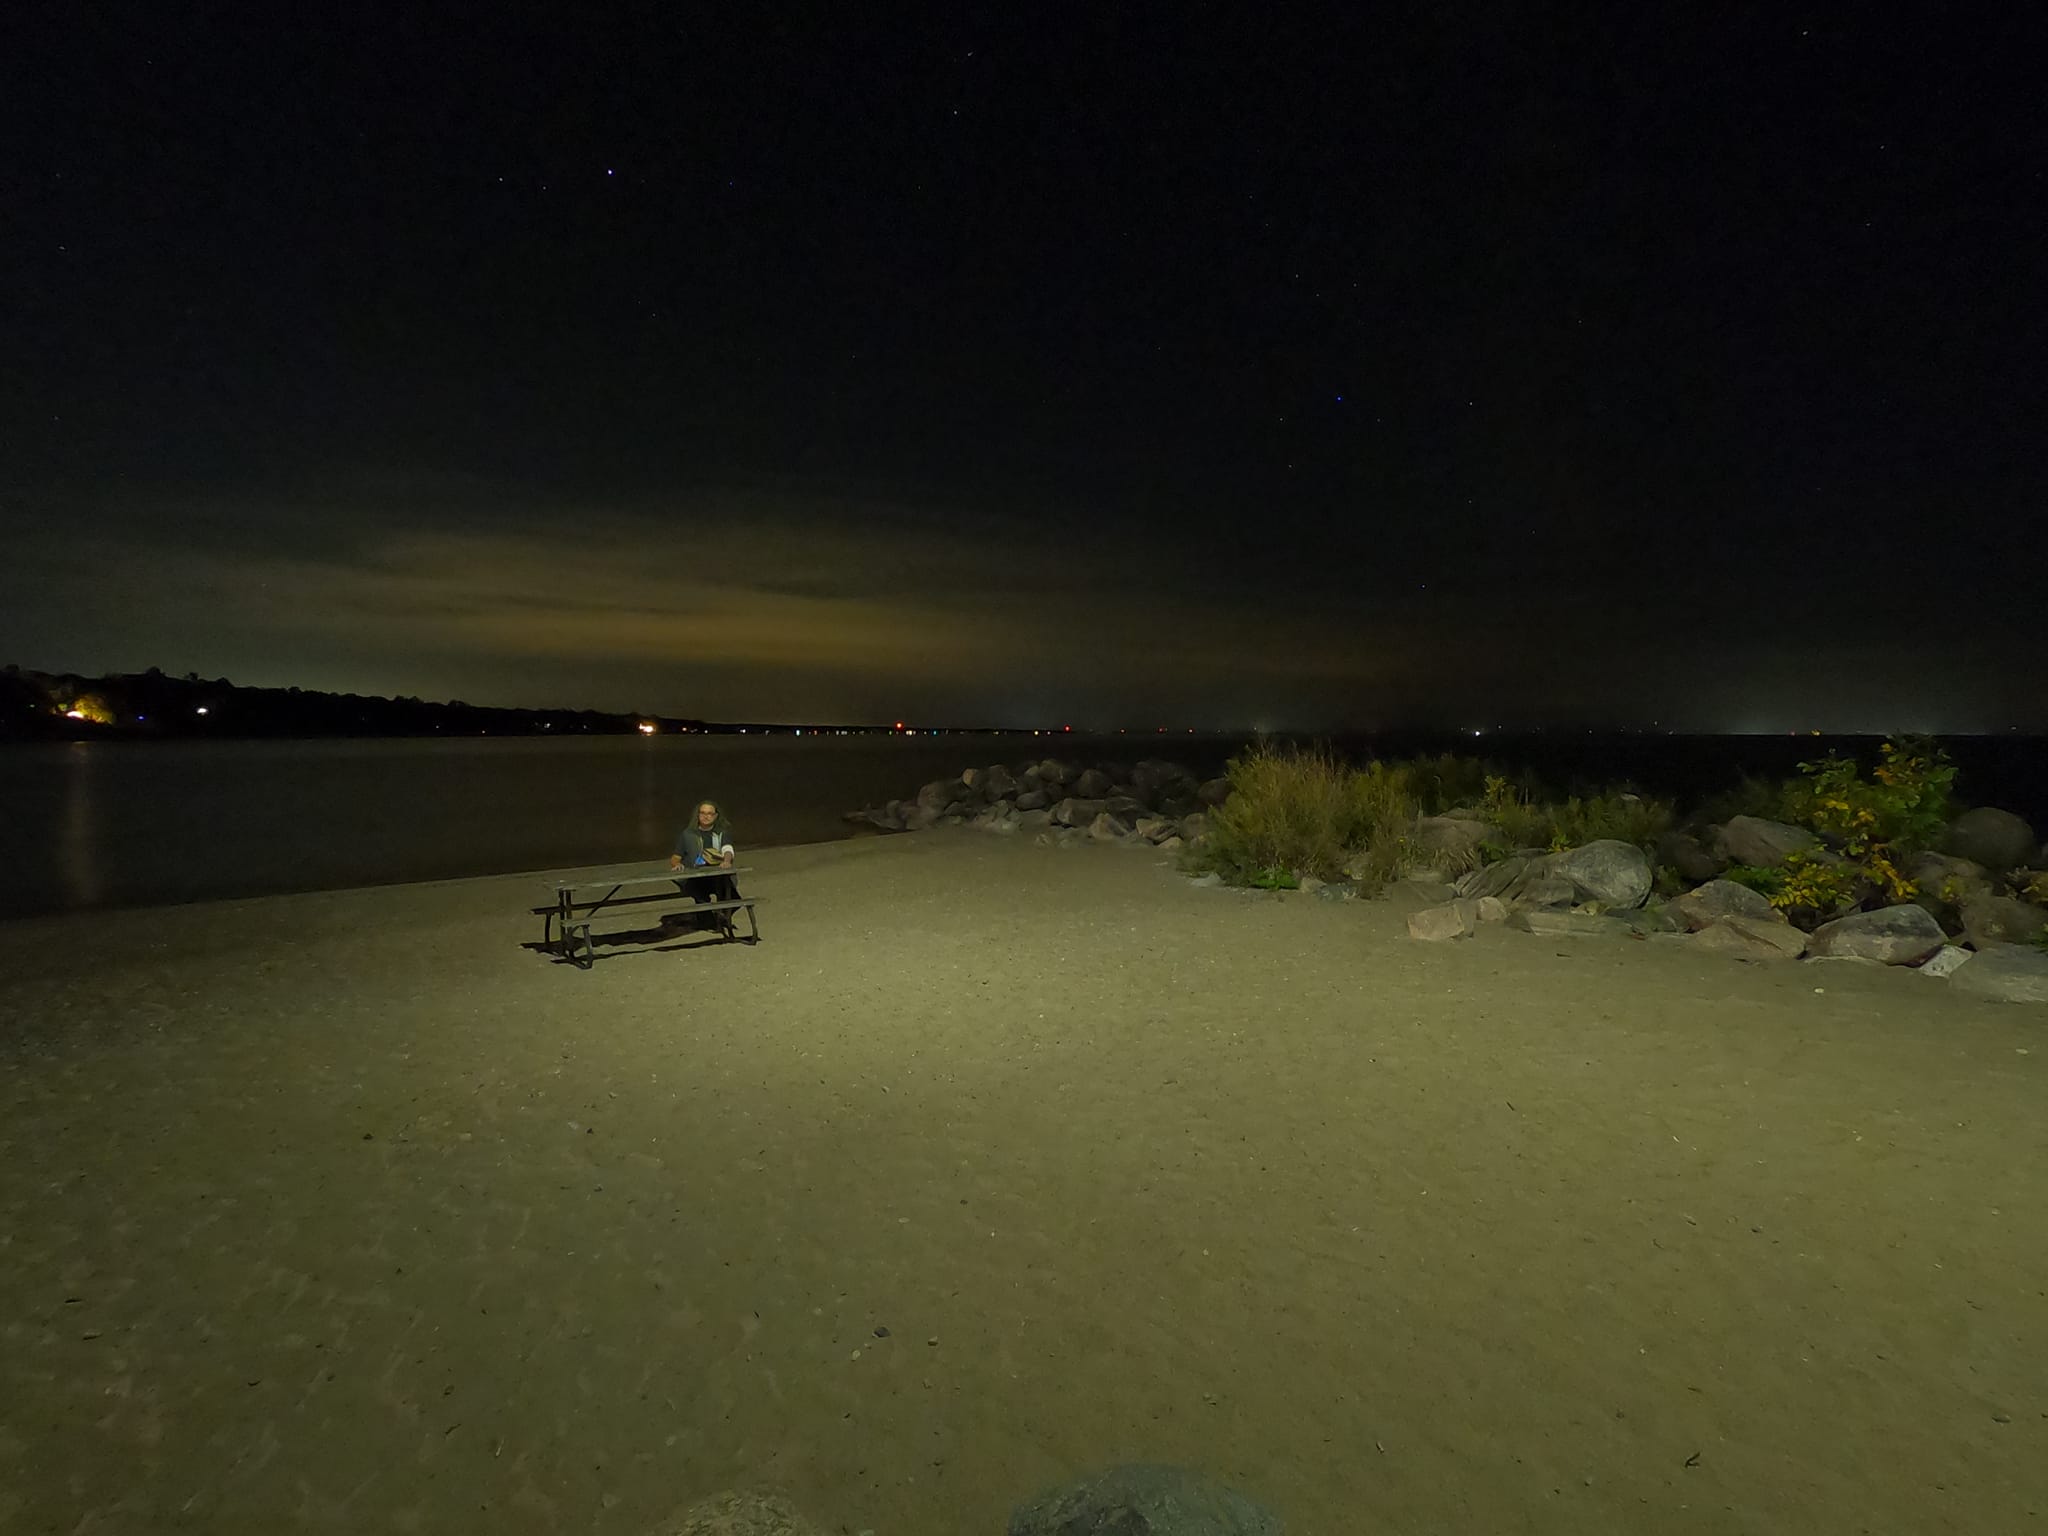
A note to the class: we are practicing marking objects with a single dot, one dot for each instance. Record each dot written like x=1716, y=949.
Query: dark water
x=106, y=824
x=114, y=824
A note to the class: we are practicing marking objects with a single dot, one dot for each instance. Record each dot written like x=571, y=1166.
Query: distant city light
x=647, y=727
x=74, y=714
x=200, y=710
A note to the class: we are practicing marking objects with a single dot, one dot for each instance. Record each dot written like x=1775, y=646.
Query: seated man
x=707, y=841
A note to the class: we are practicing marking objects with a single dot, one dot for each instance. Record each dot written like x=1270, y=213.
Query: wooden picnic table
x=575, y=903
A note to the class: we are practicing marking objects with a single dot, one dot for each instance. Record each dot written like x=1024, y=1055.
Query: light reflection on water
x=78, y=859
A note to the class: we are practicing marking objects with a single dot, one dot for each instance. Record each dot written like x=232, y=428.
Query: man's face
x=706, y=814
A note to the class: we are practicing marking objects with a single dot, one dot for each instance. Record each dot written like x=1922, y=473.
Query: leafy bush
x=1623, y=816
x=1619, y=814
x=1301, y=812
x=1807, y=890
x=1522, y=822
x=1874, y=822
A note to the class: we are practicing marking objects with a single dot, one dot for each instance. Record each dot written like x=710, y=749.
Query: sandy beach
x=992, y=1165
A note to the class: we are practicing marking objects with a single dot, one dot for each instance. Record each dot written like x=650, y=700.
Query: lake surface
x=114, y=824
x=100, y=824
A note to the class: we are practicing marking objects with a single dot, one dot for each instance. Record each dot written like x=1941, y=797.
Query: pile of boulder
x=1973, y=919
x=1976, y=920
x=1152, y=802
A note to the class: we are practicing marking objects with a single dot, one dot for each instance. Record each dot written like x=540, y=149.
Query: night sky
x=1469, y=364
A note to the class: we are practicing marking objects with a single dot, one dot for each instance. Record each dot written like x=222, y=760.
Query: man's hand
x=675, y=861
x=725, y=860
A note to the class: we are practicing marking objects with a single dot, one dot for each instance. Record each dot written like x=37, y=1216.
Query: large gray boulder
x=1753, y=840
x=1607, y=870
x=738, y=1514
x=2007, y=973
x=1901, y=935
x=998, y=783
x=1144, y=1501
x=1708, y=904
x=1094, y=784
x=1989, y=920
x=1077, y=812
x=1996, y=839
x=1213, y=792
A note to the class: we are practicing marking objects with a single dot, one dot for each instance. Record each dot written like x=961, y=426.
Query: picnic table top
x=641, y=875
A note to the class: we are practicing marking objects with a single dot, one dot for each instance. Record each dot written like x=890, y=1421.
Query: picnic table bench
x=576, y=903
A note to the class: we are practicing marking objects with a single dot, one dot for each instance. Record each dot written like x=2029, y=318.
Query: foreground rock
x=1945, y=961
x=2007, y=973
x=1902, y=935
x=1613, y=873
x=1144, y=1501
x=1578, y=925
x=1752, y=938
x=1753, y=840
x=739, y=1514
x=1990, y=920
x=1709, y=903
x=1452, y=920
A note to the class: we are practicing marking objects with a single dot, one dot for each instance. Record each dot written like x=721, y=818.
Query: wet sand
x=348, y=1212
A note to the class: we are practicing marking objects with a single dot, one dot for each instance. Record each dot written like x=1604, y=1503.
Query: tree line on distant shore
x=59, y=706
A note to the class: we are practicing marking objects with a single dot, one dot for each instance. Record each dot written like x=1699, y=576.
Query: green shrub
x=1899, y=810
x=1288, y=809
x=1522, y=822
x=1293, y=812
x=1619, y=814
